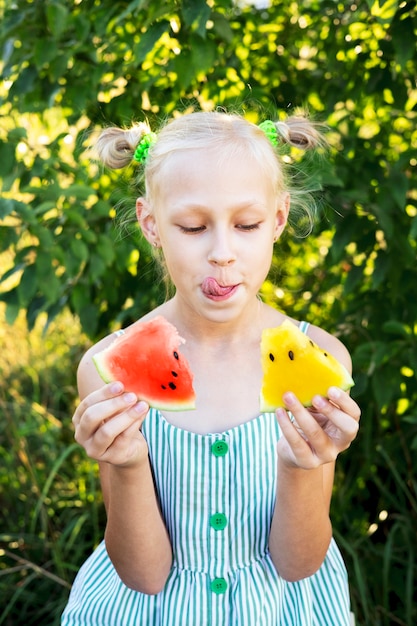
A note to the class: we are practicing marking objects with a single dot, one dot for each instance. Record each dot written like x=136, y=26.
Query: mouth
x=214, y=290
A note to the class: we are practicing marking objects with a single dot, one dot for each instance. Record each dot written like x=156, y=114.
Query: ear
x=147, y=221
x=281, y=216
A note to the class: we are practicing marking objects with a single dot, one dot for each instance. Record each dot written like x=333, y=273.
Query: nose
x=221, y=248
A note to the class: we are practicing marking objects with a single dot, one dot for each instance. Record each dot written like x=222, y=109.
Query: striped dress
x=217, y=494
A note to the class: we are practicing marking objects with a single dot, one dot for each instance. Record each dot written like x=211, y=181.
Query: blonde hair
x=227, y=133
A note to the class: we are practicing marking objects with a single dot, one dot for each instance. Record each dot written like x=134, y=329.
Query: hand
x=107, y=425
x=318, y=434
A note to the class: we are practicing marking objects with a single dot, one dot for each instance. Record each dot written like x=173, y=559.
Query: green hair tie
x=270, y=131
x=143, y=147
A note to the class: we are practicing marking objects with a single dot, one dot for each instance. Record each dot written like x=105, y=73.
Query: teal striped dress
x=217, y=494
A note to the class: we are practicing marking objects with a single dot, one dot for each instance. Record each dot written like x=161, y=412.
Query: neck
x=193, y=327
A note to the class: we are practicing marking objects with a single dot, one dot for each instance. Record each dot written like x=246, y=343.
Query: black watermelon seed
x=176, y=355
x=271, y=356
x=172, y=386
x=163, y=386
x=174, y=374
x=325, y=354
x=291, y=355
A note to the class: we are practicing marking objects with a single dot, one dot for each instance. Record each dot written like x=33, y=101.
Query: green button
x=218, y=521
x=218, y=585
x=220, y=448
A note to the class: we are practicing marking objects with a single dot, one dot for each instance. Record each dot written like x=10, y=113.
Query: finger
x=304, y=419
x=96, y=414
x=324, y=444
x=346, y=423
x=126, y=425
x=303, y=455
x=344, y=401
x=106, y=392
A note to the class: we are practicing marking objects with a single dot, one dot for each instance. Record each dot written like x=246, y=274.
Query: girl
x=218, y=516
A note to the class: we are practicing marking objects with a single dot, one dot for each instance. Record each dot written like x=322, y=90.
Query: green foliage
x=69, y=68
x=50, y=515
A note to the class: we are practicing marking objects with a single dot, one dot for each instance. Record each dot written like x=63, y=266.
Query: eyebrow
x=201, y=208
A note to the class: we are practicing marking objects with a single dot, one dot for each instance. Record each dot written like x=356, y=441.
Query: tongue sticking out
x=211, y=287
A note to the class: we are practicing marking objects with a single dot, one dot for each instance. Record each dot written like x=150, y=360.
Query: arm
x=301, y=528
x=107, y=424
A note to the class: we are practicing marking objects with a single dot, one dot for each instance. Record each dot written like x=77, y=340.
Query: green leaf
x=381, y=268
x=11, y=299
x=6, y=207
x=221, y=27
x=384, y=11
x=81, y=192
x=105, y=249
x=57, y=18
x=44, y=51
x=398, y=184
x=394, y=327
x=413, y=229
x=24, y=83
x=148, y=40
x=384, y=384
x=88, y=318
x=7, y=158
x=79, y=249
x=191, y=62
x=28, y=285
x=17, y=134
x=96, y=266
x=203, y=54
x=195, y=14
x=404, y=40
x=80, y=297
x=353, y=278
x=43, y=207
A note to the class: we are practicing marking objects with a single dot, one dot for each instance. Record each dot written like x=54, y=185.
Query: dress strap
x=304, y=326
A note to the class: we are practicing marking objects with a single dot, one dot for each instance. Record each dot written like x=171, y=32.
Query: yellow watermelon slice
x=146, y=359
x=291, y=361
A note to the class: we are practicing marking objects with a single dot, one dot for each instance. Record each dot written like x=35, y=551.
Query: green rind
x=101, y=369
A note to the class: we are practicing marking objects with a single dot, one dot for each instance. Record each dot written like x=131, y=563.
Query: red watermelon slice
x=146, y=359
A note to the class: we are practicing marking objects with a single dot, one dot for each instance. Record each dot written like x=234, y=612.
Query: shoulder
x=331, y=344
x=88, y=379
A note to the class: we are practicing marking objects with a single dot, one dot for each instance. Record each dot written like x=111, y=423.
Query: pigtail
x=116, y=146
x=300, y=132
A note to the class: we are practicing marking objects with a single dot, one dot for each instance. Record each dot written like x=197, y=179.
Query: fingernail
x=281, y=414
x=289, y=398
x=140, y=407
x=116, y=387
x=334, y=393
x=319, y=402
x=129, y=398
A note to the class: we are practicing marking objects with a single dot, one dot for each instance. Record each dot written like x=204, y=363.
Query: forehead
x=206, y=169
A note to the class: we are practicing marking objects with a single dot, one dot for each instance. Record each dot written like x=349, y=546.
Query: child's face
x=216, y=220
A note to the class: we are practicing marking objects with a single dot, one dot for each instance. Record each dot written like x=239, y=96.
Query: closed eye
x=191, y=229
x=248, y=226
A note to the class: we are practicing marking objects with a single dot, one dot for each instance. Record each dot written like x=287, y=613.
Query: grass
x=51, y=509
x=52, y=516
